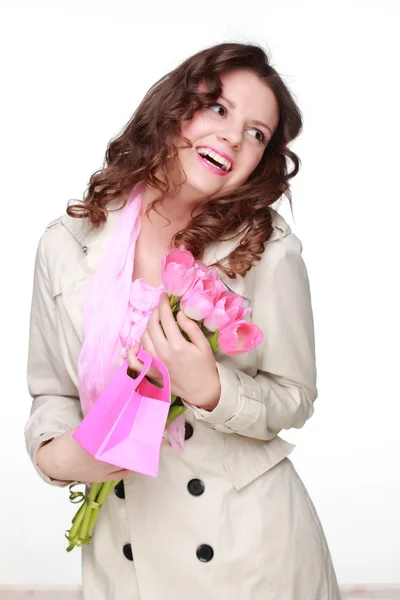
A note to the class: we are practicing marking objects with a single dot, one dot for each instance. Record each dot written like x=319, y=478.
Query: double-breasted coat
x=228, y=518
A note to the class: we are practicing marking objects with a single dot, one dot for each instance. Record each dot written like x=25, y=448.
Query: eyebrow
x=233, y=106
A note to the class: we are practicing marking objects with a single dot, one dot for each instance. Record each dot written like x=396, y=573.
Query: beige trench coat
x=228, y=518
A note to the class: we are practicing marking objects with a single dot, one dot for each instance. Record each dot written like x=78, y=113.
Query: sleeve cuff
x=235, y=412
x=36, y=443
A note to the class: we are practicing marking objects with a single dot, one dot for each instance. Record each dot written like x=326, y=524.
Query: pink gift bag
x=126, y=424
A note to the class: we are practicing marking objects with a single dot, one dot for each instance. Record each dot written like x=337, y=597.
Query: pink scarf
x=116, y=311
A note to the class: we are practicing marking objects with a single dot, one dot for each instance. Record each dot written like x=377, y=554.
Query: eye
x=218, y=106
x=261, y=137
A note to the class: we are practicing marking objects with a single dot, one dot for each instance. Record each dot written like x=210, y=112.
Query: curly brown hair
x=145, y=146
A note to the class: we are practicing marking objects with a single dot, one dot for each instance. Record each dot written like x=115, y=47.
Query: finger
x=156, y=334
x=147, y=344
x=169, y=325
x=134, y=363
x=192, y=329
x=137, y=365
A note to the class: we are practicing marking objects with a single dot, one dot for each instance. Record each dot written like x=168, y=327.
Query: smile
x=220, y=164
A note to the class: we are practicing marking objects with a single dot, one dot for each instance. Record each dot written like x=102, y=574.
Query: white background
x=72, y=74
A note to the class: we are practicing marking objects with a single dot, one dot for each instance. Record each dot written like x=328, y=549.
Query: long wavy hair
x=145, y=146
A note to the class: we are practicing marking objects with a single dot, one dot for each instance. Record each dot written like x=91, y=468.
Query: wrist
x=211, y=404
x=47, y=466
x=45, y=460
x=43, y=457
x=210, y=398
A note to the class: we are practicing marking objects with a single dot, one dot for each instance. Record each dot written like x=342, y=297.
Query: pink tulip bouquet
x=197, y=290
x=200, y=294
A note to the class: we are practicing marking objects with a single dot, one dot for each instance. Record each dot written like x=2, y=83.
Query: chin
x=201, y=182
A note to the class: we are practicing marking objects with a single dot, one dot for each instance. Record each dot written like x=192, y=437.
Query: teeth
x=225, y=164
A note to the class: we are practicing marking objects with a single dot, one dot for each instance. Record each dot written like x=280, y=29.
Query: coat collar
x=219, y=251
x=93, y=241
x=244, y=285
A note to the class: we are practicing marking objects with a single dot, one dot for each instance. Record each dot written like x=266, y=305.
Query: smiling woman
x=198, y=165
x=228, y=100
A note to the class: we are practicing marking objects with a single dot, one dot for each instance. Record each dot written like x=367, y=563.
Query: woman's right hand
x=64, y=459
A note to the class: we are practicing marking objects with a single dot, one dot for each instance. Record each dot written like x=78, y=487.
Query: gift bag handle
x=163, y=370
x=146, y=359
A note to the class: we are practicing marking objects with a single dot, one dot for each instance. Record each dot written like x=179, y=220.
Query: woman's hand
x=65, y=460
x=191, y=364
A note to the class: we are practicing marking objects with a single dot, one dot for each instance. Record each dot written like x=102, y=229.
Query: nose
x=231, y=136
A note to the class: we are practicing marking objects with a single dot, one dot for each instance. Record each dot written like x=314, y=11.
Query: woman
x=201, y=161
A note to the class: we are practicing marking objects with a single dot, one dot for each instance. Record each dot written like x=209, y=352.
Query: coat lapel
x=93, y=241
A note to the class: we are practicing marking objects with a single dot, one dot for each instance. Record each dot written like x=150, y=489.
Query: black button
x=127, y=550
x=188, y=431
x=204, y=553
x=119, y=490
x=196, y=487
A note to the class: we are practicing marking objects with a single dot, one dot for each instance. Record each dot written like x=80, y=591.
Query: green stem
x=77, y=520
x=175, y=305
x=92, y=497
x=214, y=341
x=105, y=490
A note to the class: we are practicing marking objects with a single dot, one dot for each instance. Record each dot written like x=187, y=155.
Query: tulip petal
x=239, y=337
x=176, y=434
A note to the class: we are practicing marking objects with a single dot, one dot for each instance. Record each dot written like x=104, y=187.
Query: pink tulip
x=176, y=434
x=239, y=337
x=178, y=271
x=202, y=269
x=199, y=300
x=209, y=272
x=227, y=309
x=204, y=272
x=196, y=304
x=213, y=287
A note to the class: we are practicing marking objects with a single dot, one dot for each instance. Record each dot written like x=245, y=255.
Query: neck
x=177, y=209
x=183, y=203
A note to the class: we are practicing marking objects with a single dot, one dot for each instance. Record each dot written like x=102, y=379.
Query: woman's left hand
x=191, y=365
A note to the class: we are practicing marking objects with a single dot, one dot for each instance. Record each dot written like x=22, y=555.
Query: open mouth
x=214, y=159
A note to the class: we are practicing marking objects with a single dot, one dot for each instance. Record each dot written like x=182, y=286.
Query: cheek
x=195, y=128
x=251, y=160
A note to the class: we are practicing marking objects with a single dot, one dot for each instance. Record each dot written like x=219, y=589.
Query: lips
x=212, y=155
x=210, y=167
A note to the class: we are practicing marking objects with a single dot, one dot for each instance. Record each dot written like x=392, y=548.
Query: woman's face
x=229, y=137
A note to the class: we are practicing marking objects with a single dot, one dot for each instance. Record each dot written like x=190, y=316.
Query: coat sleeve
x=281, y=394
x=55, y=408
